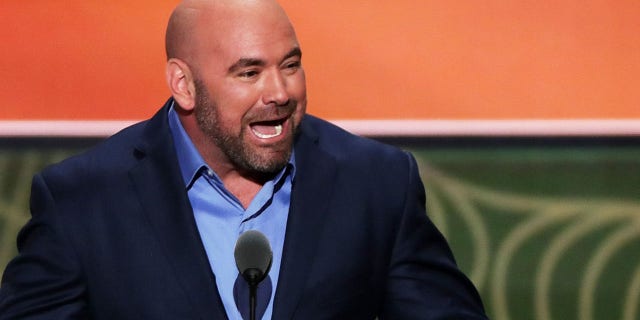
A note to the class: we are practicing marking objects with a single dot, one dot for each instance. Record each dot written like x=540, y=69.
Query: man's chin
x=271, y=165
x=264, y=161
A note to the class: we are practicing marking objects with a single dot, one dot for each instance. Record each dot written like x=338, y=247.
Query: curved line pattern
x=554, y=253
x=14, y=215
x=596, y=267
x=436, y=212
x=477, y=227
x=633, y=297
x=478, y=230
x=540, y=213
x=31, y=162
x=510, y=246
x=7, y=237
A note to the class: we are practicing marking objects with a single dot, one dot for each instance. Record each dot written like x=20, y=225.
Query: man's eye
x=248, y=74
x=293, y=65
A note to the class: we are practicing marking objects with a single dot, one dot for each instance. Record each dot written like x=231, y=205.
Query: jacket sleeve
x=424, y=281
x=45, y=280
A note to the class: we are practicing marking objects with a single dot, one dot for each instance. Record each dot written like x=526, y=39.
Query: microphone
x=253, y=258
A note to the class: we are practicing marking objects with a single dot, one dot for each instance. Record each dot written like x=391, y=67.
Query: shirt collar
x=191, y=162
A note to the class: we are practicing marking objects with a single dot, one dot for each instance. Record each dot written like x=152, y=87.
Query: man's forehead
x=243, y=22
x=260, y=38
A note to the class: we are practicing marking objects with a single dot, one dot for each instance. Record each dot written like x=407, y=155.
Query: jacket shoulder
x=110, y=156
x=344, y=145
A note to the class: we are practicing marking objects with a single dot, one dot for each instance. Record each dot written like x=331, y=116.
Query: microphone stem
x=252, y=301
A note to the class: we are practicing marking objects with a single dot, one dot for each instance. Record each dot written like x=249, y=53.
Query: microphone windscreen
x=253, y=251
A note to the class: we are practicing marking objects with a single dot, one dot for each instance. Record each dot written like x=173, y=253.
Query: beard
x=244, y=156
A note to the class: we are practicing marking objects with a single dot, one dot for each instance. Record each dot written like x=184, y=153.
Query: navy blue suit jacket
x=112, y=236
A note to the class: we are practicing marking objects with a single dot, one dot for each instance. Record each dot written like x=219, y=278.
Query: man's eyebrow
x=295, y=52
x=245, y=62
x=253, y=62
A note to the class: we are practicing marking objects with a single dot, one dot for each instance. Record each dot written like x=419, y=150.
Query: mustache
x=272, y=112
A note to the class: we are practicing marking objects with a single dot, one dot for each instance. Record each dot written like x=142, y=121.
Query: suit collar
x=156, y=178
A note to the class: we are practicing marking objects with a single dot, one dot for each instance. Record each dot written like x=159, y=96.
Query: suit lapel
x=157, y=178
x=161, y=192
x=315, y=171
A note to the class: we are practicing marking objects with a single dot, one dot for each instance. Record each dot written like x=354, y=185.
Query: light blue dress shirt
x=221, y=218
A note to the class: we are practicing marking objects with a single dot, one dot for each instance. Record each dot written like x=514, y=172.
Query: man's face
x=251, y=93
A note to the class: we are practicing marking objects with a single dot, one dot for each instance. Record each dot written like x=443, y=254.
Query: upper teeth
x=278, y=131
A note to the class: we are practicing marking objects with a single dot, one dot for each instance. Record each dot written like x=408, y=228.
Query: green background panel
x=545, y=229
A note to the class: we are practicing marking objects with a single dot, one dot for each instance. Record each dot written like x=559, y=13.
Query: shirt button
x=210, y=173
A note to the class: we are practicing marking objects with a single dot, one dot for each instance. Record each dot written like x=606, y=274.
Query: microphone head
x=253, y=256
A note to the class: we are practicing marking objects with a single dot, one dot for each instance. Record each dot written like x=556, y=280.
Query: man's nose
x=275, y=90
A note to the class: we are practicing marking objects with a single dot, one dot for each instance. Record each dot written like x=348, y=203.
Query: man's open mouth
x=267, y=129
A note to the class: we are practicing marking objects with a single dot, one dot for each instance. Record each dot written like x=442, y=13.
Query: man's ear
x=181, y=85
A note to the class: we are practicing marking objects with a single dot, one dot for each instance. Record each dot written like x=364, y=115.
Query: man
x=143, y=226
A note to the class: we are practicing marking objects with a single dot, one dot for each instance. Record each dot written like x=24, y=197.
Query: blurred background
x=524, y=117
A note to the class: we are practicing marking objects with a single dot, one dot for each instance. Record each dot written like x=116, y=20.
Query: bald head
x=193, y=18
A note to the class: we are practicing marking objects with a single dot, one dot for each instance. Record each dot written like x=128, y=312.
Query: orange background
x=419, y=59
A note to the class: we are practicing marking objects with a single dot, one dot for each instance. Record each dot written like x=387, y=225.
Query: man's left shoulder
x=338, y=140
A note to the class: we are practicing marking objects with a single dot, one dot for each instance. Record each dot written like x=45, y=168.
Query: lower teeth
x=278, y=131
